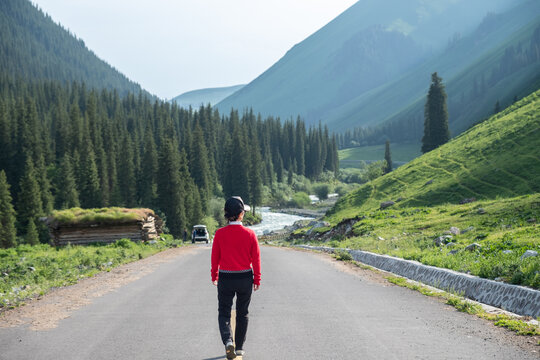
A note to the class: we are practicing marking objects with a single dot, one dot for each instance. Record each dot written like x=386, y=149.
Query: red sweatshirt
x=236, y=248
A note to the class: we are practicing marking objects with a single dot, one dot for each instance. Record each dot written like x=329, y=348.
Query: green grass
x=401, y=153
x=410, y=233
x=103, y=215
x=497, y=158
x=28, y=271
x=496, y=162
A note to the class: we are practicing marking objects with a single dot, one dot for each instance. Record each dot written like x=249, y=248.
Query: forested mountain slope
x=499, y=61
x=33, y=47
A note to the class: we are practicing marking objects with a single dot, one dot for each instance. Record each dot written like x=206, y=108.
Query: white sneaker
x=240, y=352
x=229, y=350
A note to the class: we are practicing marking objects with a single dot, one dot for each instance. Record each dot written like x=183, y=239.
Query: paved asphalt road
x=306, y=309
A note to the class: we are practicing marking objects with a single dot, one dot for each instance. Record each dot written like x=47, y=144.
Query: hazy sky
x=173, y=46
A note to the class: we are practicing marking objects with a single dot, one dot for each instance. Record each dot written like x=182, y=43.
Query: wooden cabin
x=85, y=226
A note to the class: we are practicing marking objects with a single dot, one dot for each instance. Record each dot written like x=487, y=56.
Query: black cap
x=234, y=206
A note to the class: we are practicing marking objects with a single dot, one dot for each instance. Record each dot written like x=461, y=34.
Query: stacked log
x=144, y=229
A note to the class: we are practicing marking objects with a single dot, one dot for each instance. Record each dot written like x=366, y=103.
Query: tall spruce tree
x=47, y=199
x=255, y=172
x=436, y=131
x=387, y=158
x=237, y=166
x=148, y=184
x=88, y=178
x=8, y=233
x=29, y=205
x=31, y=236
x=67, y=195
x=199, y=166
x=170, y=188
x=126, y=174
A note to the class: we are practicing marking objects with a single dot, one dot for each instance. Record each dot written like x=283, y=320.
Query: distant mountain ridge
x=212, y=96
x=471, y=59
x=34, y=47
x=322, y=77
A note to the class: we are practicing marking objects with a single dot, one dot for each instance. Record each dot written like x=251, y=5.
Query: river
x=272, y=221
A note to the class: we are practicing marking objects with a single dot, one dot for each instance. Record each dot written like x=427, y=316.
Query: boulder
x=380, y=238
x=387, y=204
x=450, y=245
x=453, y=252
x=473, y=247
x=441, y=240
x=455, y=231
x=467, y=201
x=481, y=211
x=529, y=253
x=470, y=228
x=429, y=182
x=531, y=220
x=507, y=252
x=317, y=225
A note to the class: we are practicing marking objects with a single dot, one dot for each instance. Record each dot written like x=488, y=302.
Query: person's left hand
x=256, y=287
x=214, y=282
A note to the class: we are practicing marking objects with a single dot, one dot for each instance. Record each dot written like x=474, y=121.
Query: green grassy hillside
x=401, y=153
x=498, y=158
x=495, y=236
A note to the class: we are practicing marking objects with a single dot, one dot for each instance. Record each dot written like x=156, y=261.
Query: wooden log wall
x=104, y=233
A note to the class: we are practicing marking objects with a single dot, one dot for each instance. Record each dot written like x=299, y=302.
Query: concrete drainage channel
x=513, y=298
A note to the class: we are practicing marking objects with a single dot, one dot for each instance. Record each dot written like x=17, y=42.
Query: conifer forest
x=66, y=146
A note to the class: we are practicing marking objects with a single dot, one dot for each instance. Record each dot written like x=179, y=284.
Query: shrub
x=342, y=255
x=300, y=199
x=322, y=191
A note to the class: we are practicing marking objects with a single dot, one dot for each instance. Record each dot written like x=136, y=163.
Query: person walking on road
x=236, y=270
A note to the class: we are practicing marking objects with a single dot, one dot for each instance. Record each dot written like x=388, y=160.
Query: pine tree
x=237, y=168
x=256, y=166
x=126, y=174
x=88, y=179
x=198, y=164
x=195, y=201
x=148, y=185
x=300, y=150
x=8, y=232
x=47, y=199
x=436, y=131
x=170, y=188
x=387, y=158
x=29, y=205
x=67, y=195
x=32, y=236
x=6, y=137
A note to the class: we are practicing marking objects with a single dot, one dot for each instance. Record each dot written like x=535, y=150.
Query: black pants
x=241, y=285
